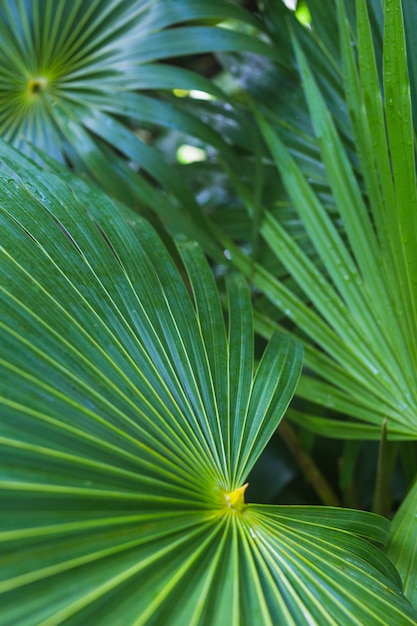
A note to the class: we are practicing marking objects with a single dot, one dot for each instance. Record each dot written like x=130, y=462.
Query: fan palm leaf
x=75, y=54
x=130, y=420
x=70, y=77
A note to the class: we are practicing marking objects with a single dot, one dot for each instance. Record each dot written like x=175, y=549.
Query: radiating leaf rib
x=370, y=526
x=216, y=592
x=277, y=373
x=253, y=595
x=67, y=431
x=125, y=413
x=150, y=613
x=347, y=603
x=241, y=356
x=163, y=436
x=194, y=351
x=50, y=462
x=213, y=332
x=173, y=545
x=121, y=382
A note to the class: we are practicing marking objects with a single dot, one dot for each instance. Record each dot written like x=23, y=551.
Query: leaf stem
x=386, y=458
x=309, y=468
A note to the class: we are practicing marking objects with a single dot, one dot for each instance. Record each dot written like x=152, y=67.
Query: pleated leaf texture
x=130, y=419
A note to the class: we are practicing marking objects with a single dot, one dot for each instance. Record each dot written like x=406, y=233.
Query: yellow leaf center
x=36, y=86
x=236, y=499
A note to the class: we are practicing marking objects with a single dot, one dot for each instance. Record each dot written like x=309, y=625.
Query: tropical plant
x=131, y=417
x=130, y=421
x=361, y=305
x=79, y=81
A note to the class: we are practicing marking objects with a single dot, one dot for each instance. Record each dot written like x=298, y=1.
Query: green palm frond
x=360, y=331
x=402, y=545
x=70, y=82
x=130, y=419
x=55, y=59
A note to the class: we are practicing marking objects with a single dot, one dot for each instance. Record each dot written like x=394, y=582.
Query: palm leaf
x=81, y=52
x=403, y=543
x=130, y=420
x=63, y=72
x=361, y=326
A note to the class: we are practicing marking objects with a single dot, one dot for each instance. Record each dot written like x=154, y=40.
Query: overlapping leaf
x=63, y=72
x=130, y=419
x=361, y=328
x=362, y=316
x=402, y=546
x=81, y=52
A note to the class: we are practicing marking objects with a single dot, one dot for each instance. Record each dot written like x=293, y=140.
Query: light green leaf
x=125, y=443
x=62, y=68
x=402, y=545
x=361, y=314
x=401, y=143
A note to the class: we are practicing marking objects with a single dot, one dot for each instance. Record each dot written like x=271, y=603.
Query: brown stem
x=308, y=466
